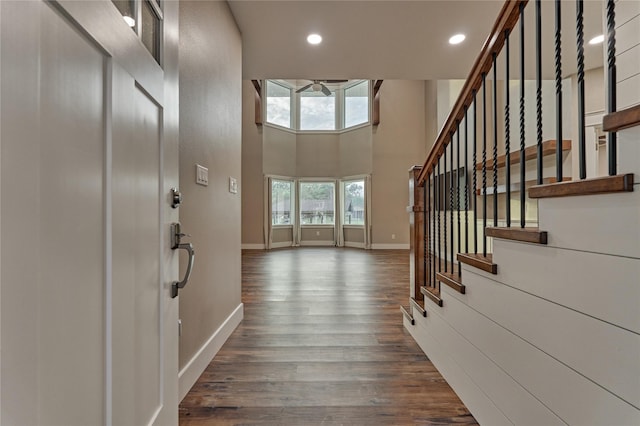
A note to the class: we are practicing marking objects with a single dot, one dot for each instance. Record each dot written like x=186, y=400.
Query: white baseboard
x=390, y=246
x=252, y=246
x=318, y=243
x=188, y=376
x=282, y=244
x=354, y=245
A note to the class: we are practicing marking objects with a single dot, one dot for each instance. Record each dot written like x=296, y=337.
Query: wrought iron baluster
x=507, y=130
x=484, y=164
x=458, y=191
x=558, y=58
x=539, y=90
x=495, y=140
x=438, y=210
x=611, y=83
x=522, y=122
x=425, y=231
x=582, y=159
x=444, y=201
x=451, y=200
x=475, y=173
x=433, y=224
x=466, y=183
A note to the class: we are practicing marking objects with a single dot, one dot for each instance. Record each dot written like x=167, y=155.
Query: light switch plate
x=233, y=185
x=202, y=175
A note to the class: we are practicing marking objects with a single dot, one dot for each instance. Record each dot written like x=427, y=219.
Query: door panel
x=137, y=287
x=53, y=250
x=88, y=330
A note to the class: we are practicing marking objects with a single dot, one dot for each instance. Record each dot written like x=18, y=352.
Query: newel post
x=417, y=235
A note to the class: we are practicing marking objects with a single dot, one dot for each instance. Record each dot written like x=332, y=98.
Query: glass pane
x=281, y=202
x=356, y=104
x=126, y=8
x=354, y=203
x=317, y=203
x=278, y=104
x=317, y=111
x=151, y=30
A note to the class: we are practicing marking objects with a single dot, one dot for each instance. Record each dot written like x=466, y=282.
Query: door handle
x=176, y=236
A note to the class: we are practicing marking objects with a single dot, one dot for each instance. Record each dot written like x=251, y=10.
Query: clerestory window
x=346, y=105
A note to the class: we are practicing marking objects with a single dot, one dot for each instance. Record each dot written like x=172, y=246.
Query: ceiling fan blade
x=304, y=88
x=325, y=90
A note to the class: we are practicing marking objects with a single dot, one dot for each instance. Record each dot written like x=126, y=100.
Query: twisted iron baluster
x=484, y=164
x=539, y=90
x=507, y=134
x=611, y=82
x=558, y=59
x=466, y=184
x=582, y=160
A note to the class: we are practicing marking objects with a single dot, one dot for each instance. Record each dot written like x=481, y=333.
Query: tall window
x=317, y=203
x=278, y=104
x=281, y=202
x=317, y=111
x=353, y=202
x=356, y=104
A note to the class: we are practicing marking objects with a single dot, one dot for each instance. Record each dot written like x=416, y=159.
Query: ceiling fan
x=318, y=86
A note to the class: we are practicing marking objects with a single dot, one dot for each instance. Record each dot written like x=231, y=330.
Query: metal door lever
x=176, y=236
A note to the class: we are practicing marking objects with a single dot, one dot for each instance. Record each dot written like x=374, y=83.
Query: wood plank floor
x=322, y=343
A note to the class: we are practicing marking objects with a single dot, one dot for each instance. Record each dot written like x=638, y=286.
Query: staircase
x=538, y=321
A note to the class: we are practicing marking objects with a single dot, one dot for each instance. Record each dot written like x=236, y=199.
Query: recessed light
x=314, y=39
x=457, y=39
x=597, y=39
x=129, y=20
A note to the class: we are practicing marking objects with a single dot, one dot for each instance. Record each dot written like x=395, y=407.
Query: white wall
x=210, y=135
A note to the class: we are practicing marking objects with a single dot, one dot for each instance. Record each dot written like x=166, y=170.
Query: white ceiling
x=382, y=39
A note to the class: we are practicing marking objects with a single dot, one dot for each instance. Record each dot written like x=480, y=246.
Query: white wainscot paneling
x=627, y=32
x=510, y=397
x=604, y=353
x=628, y=92
x=628, y=63
x=601, y=286
x=571, y=396
x=627, y=10
x=629, y=154
x=480, y=405
x=606, y=223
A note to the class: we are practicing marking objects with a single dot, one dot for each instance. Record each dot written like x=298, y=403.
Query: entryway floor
x=322, y=343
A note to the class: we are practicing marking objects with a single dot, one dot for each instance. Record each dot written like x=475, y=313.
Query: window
x=317, y=111
x=145, y=18
x=281, y=202
x=317, y=200
x=353, y=202
x=278, y=104
x=356, y=104
x=347, y=105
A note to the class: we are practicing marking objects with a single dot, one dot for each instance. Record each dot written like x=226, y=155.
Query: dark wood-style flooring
x=322, y=343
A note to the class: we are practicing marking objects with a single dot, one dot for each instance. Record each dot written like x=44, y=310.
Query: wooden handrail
x=506, y=21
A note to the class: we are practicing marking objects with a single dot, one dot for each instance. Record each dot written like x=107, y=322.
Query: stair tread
x=453, y=280
x=479, y=261
x=528, y=235
x=406, y=313
x=432, y=294
x=531, y=152
x=600, y=185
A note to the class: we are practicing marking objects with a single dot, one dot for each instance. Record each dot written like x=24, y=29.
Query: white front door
x=88, y=150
